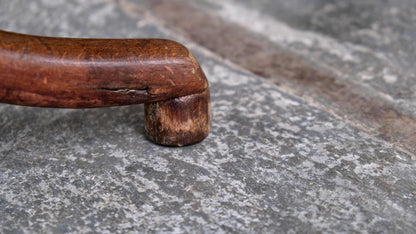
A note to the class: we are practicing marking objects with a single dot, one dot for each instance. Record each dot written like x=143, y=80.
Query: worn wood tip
x=179, y=121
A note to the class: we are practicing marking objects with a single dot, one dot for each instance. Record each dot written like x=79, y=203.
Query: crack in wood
x=126, y=91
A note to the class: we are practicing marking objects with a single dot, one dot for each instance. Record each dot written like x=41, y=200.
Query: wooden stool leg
x=179, y=121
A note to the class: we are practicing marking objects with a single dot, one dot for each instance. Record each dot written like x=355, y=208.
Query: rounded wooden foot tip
x=179, y=121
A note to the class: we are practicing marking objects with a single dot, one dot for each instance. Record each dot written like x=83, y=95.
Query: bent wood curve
x=87, y=73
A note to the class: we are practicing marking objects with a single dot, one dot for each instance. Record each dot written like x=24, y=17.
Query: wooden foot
x=179, y=121
x=88, y=73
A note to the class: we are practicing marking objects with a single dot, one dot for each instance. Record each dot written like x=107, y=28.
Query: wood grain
x=86, y=73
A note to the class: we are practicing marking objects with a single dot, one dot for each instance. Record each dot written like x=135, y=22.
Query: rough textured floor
x=287, y=153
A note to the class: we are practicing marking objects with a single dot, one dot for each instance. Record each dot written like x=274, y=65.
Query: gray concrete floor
x=313, y=124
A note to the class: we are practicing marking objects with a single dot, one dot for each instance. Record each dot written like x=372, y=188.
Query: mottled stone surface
x=273, y=162
x=370, y=43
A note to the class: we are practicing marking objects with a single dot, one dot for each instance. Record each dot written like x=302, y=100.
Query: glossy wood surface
x=85, y=73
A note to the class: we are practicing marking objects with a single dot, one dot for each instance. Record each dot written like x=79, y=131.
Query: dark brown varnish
x=86, y=73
